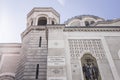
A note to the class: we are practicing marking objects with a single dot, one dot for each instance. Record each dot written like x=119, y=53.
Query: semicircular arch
x=74, y=22
x=90, y=67
x=43, y=16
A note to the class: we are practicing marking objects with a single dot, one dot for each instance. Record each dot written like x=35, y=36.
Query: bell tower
x=34, y=51
x=42, y=16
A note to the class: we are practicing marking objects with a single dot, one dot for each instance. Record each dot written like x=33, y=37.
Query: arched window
x=86, y=23
x=53, y=22
x=90, y=68
x=92, y=22
x=42, y=21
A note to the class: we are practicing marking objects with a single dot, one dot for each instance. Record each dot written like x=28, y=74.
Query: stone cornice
x=93, y=29
x=32, y=28
x=107, y=21
x=10, y=45
x=44, y=27
x=57, y=26
x=73, y=29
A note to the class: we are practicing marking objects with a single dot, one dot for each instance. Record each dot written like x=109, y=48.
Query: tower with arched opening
x=33, y=64
x=85, y=47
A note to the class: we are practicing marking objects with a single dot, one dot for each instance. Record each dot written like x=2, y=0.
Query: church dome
x=83, y=20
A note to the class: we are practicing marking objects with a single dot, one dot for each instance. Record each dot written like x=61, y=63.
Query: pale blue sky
x=13, y=13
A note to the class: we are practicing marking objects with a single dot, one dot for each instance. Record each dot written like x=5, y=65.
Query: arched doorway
x=42, y=21
x=90, y=68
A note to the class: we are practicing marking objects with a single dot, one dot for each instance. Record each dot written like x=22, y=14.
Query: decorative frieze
x=78, y=47
x=92, y=29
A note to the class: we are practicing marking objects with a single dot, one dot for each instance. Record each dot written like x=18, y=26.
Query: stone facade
x=85, y=47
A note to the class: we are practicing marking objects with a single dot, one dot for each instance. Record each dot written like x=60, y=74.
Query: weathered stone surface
x=60, y=51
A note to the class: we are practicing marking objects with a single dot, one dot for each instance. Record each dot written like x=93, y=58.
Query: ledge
x=10, y=45
x=42, y=27
x=92, y=28
x=43, y=9
x=73, y=28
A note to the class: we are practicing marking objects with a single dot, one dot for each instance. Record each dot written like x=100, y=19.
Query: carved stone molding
x=92, y=29
x=7, y=77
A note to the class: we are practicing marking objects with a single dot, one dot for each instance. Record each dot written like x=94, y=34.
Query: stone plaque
x=56, y=60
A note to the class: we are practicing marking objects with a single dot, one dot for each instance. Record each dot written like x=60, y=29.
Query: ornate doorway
x=90, y=68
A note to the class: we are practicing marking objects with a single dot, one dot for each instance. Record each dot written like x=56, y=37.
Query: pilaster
x=56, y=66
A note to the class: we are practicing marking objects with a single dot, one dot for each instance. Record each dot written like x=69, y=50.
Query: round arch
x=42, y=21
x=41, y=18
x=90, y=67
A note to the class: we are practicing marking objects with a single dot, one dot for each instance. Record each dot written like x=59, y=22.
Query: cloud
x=62, y=2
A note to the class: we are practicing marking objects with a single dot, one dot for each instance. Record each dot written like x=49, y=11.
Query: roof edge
x=43, y=8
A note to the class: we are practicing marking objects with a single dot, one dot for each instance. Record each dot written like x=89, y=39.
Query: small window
x=37, y=71
x=42, y=21
x=86, y=23
x=53, y=22
x=40, y=41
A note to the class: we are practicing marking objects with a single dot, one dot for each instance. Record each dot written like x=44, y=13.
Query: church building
x=85, y=47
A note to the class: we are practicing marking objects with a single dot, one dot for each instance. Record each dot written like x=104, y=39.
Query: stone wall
x=34, y=52
x=114, y=47
x=9, y=59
